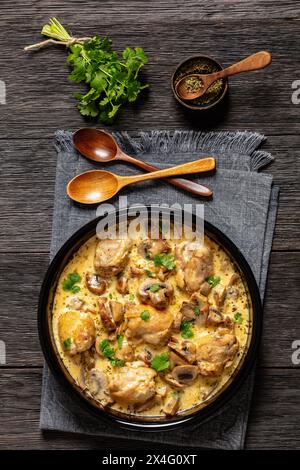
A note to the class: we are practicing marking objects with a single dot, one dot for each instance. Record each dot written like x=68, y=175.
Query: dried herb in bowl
x=200, y=65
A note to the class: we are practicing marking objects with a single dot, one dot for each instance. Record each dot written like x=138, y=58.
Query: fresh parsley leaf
x=106, y=349
x=186, y=331
x=213, y=280
x=70, y=281
x=196, y=311
x=67, y=343
x=154, y=288
x=117, y=362
x=238, y=318
x=160, y=362
x=120, y=339
x=149, y=273
x=109, y=353
x=145, y=315
x=112, y=80
x=166, y=260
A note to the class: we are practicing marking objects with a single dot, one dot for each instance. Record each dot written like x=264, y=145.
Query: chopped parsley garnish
x=67, y=343
x=131, y=297
x=186, y=331
x=154, y=288
x=213, y=280
x=145, y=315
x=120, y=339
x=238, y=318
x=166, y=260
x=160, y=362
x=110, y=295
x=196, y=311
x=149, y=273
x=69, y=283
x=109, y=353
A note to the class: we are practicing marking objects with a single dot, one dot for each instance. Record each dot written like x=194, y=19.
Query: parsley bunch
x=112, y=81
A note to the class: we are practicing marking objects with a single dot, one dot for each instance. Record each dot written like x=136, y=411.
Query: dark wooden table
x=39, y=100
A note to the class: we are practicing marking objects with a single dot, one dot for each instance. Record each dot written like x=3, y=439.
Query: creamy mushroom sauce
x=203, y=387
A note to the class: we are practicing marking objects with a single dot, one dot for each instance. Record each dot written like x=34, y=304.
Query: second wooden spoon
x=202, y=82
x=95, y=186
x=99, y=146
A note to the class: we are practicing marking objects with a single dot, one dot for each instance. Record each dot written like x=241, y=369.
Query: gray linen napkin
x=244, y=207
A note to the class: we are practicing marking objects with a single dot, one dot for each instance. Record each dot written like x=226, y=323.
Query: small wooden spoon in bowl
x=99, y=146
x=95, y=186
x=195, y=85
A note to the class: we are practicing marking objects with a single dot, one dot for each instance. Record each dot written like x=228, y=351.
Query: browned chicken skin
x=132, y=384
x=111, y=256
x=76, y=331
x=155, y=330
x=195, y=264
x=217, y=353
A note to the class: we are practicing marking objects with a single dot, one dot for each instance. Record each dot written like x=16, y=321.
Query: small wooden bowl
x=189, y=66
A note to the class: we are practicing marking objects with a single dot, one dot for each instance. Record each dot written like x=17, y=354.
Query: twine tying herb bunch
x=112, y=81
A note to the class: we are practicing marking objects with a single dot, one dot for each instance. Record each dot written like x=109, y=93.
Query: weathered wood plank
x=21, y=277
x=26, y=208
x=139, y=10
x=274, y=418
x=40, y=98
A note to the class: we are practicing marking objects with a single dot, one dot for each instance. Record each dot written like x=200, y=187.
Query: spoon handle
x=188, y=185
x=256, y=61
x=198, y=166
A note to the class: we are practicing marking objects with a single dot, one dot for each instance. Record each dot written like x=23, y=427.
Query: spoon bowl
x=95, y=144
x=93, y=186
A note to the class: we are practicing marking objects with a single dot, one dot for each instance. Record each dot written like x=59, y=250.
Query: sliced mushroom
x=95, y=283
x=233, y=280
x=75, y=303
x=185, y=374
x=122, y=284
x=106, y=314
x=117, y=310
x=173, y=382
x=144, y=355
x=156, y=293
x=111, y=313
x=216, y=318
x=195, y=308
x=150, y=248
x=136, y=272
x=185, y=349
x=177, y=321
x=205, y=289
x=98, y=386
x=127, y=351
x=176, y=360
x=171, y=405
x=219, y=297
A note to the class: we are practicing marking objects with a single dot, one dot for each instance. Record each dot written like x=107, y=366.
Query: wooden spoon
x=256, y=61
x=100, y=146
x=96, y=186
